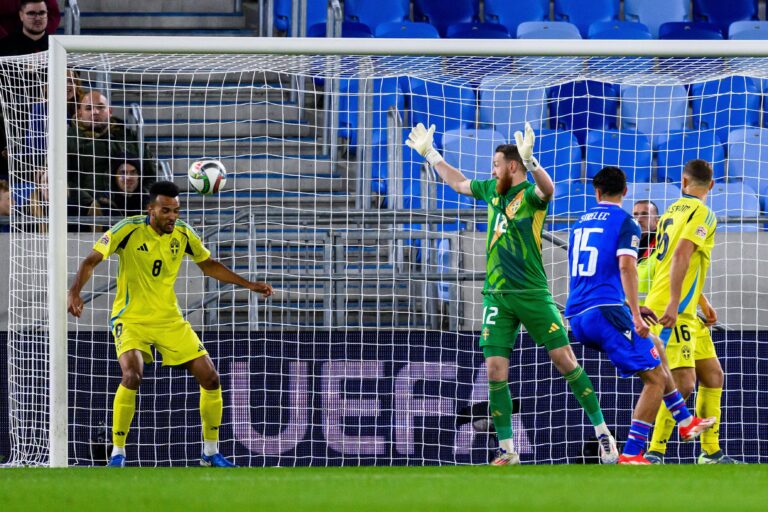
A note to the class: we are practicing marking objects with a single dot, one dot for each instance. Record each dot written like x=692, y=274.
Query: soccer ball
x=207, y=176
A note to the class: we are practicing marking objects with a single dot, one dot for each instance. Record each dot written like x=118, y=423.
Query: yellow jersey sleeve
x=700, y=228
x=195, y=247
x=112, y=239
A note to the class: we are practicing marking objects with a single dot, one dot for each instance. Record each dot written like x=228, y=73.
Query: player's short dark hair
x=610, y=181
x=163, y=188
x=648, y=201
x=510, y=152
x=699, y=171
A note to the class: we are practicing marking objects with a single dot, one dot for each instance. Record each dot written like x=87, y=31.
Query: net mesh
x=367, y=352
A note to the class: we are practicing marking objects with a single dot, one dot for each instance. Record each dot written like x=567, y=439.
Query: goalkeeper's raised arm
x=510, y=163
x=420, y=140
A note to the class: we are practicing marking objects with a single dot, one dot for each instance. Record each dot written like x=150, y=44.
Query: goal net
x=367, y=354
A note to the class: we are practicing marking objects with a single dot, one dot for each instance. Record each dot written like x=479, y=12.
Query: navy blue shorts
x=609, y=329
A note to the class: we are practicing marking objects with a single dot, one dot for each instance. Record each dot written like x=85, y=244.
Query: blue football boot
x=216, y=460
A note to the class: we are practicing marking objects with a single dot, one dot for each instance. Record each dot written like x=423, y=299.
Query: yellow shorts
x=688, y=342
x=177, y=342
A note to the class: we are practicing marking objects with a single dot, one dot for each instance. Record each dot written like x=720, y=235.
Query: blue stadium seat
x=725, y=104
x=735, y=200
x=618, y=30
x=559, y=153
x=348, y=29
x=445, y=106
x=471, y=151
x=412, y=162
x=748, y=156
x=317, y=12
x=511, y=14
x=655, y=12
x=629, y=150
x=374, y=12
x=764, y=198
x=654, y=110
x=476, y=30
x=584, y=105
x=406, y=29
x=386, y=93
x=441, y=13
x=583, y=13
x=570, y=200
x=547, y=30
x=724, y=13
x=507, y=106
x=662, y=195
x=748, y=30
x=690, y=30
x=687, y=145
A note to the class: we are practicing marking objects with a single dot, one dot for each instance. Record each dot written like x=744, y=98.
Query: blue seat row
x=643, y=19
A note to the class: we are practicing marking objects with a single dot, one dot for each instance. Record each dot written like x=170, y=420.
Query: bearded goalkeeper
x=145, y=312
x=516, y=290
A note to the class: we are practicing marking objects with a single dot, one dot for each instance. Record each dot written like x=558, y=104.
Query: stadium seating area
x=587, y=19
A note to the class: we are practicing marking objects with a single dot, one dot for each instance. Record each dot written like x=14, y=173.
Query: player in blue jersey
x=604, y=311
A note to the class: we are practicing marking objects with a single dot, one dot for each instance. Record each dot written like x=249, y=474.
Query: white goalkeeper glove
x=525, y=147
x=420, y=140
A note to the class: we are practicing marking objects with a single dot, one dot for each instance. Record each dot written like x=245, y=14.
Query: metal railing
x=71, y=18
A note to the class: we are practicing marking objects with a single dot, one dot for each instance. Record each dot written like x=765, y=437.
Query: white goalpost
x=368, y=352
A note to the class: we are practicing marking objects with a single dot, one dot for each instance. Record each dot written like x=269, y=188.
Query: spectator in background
x=74, y=93
x=32, y=37
x=9, y=16
x=5, y=205
x=37, y=207
x=127, y=195
x=646, y=213
x=95, y=140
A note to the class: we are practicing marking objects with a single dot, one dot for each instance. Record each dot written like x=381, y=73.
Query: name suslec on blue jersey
x=596, y=241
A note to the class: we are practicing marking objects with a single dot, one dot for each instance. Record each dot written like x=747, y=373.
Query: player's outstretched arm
x=84, y=272
x=545, y=188
x=681, y=259
x=628, y=270
x=213, y=268
x=420, y=140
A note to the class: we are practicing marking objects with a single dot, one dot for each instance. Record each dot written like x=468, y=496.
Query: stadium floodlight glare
x=367, y=351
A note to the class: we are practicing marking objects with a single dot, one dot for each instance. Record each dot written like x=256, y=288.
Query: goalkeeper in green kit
x=516, y=289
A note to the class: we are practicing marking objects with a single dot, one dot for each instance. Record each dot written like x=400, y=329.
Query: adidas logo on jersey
x=552, y=328
x=143, y=248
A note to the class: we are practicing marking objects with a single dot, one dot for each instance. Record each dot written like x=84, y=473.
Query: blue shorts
x=609, y=329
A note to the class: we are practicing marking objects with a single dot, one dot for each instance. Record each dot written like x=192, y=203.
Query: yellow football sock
x=662, y=430
x=123, y=407
x=211, y=409
x=708, y=404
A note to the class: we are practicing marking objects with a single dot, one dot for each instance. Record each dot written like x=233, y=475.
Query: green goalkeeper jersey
x=515, y=224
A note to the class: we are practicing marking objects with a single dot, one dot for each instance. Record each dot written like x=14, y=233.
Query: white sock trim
x=210, y=448
x=507, y=445
x=118, y=450
x=602, y=429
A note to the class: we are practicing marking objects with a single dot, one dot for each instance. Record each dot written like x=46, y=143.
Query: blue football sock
x=637, y=438
x=676, y=405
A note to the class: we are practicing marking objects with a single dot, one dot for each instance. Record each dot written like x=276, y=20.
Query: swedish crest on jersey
x=175, y=246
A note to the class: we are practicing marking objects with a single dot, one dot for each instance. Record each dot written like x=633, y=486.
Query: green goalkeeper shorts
x=503, y=314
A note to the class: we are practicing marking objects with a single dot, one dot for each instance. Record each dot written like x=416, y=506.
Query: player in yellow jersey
x=686, y=235
x=145, y=312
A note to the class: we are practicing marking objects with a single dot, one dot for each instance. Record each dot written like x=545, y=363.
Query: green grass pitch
x=403, y=489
